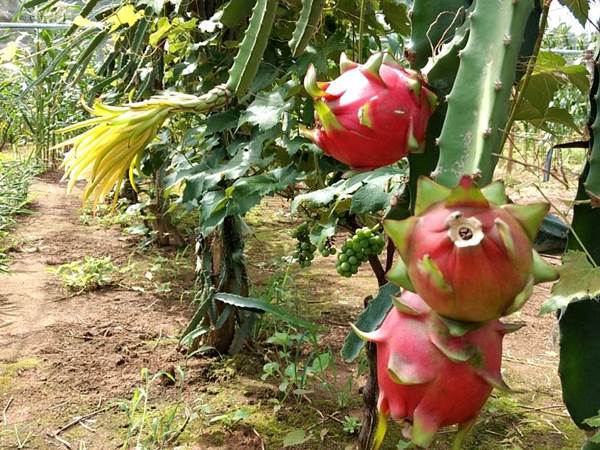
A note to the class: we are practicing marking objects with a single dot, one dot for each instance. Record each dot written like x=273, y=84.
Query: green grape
x=357, y=249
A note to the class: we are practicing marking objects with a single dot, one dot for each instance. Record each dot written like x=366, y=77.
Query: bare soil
x=70, y=364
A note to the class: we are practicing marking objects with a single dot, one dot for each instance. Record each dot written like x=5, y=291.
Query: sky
x=559, y=13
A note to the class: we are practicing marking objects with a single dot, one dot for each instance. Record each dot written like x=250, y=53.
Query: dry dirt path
x=63, y=355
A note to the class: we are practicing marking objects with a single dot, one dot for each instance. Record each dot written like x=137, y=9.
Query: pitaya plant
x=431, y=374
x=373, y=114
x=469, y=255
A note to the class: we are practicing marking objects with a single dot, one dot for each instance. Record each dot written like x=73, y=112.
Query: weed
x=351, y=425
x=89, y=274
x=21, y=442
x=161, y=428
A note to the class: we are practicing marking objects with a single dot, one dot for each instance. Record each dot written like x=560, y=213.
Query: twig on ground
x=4, y=419
x=76, y=420
x=262, y=442
x=61, y=440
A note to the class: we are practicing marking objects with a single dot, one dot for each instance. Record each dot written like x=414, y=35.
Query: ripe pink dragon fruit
x=373, y=114
x=432, y=372
x=466, y=253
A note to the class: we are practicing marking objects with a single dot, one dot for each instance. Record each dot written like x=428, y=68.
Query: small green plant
x=290, y=366
x=351, y=425
x=231, y=418
x=161, y=428
x=89, y=274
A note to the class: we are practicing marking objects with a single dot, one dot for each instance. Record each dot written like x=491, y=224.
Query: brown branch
x=389, y=257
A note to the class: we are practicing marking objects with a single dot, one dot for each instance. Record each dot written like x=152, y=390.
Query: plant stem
x=360, y=30
x=530, y=66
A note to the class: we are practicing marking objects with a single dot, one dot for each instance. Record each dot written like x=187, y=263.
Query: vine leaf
x=369, y=320
x=579, y=280
x=363, y=193
x=396, y=14
x=579, y=8
x=266, y=111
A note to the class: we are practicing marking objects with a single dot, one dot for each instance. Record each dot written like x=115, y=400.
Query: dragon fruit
x=466, y=253
x=433, y=372
x=373, y=114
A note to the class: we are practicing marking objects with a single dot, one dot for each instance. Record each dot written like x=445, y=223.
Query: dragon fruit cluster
x=373, y=114
x=467, y=259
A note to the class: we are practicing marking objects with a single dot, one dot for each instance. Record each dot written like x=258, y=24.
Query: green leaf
x=369, y=320
x=222, y=121
x=376, y=182
x=579, y=280
x=261, y=306
x=295, y=437
x=396, y=14
x=265, y=111
x=579, y=8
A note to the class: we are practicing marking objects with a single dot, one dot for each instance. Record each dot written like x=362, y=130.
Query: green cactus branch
x=592, y=180
x=527, y=76
x=479, y=102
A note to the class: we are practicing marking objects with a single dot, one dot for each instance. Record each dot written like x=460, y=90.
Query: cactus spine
x=478, y=104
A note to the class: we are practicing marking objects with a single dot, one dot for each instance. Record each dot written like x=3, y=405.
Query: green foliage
x=15, y=179
x=87, y=275
x=151, y=427
x=369, y=320
x=579, y=280
x=351, y=425
x=294, y=371
x=261, y=306
x=579, y=8
x=551, y=77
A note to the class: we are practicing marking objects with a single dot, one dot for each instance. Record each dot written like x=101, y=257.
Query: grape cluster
x=357, y=249
x=305, y=250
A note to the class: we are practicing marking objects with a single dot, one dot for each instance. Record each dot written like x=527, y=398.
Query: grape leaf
x=396, y=14
x=579, y=280
x=579, y=8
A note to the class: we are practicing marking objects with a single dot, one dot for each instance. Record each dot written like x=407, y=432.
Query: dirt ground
x=71, y=365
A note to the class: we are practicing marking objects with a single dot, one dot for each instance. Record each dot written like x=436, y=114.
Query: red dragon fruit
x=373, y=114
x=431, y=372
x=468, y=255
